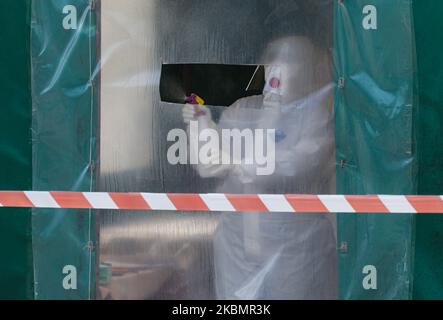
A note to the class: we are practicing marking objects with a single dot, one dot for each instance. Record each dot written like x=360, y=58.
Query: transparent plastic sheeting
x=110, y=113
x=375, y=142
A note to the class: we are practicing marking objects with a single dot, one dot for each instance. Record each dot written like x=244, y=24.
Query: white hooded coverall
x=279, y=255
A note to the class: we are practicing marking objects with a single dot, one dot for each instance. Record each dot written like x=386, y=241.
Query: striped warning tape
x=223, y=202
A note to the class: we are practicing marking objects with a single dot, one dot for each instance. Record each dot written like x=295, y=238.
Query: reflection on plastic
x=255, y=257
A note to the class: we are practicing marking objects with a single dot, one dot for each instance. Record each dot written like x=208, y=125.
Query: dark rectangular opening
x=217, y=84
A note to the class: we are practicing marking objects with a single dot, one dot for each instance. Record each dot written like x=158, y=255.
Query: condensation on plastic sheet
x=101, y=82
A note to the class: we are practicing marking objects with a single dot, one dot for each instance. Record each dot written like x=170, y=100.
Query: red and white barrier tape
x=223, y=202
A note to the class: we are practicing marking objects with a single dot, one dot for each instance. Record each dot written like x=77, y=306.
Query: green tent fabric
x=428, y=265
x=16, y=273
x=410, y=252
x=374, y=126
x=64, y=135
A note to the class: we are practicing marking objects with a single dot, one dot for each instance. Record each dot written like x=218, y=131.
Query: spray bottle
x=196, y=101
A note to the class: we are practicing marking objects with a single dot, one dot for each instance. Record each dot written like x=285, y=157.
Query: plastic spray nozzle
x=195, y=99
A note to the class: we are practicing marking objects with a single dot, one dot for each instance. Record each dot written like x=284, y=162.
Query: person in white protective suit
x=279, y=255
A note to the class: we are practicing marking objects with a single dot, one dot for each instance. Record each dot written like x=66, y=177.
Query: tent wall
x=15, y=149
x=428, y=271
x=375, y=137
x=64, y=138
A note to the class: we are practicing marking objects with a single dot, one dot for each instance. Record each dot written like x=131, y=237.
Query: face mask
x=294, y=69
x=272, y=92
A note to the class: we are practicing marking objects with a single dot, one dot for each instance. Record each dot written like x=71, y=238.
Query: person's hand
x=188, y=113
x=193, y=112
